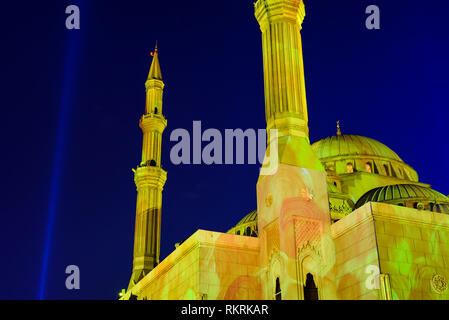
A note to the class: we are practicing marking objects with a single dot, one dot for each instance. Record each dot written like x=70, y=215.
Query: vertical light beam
x=70, y=68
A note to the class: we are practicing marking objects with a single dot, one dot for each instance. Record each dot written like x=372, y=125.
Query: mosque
x=344, y=218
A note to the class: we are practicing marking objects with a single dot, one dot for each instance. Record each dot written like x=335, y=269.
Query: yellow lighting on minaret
x=149, y=178
x=292, y=200
x=285, y=92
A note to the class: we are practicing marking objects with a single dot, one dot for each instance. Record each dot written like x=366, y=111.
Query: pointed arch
x=274, y=274
x=309, y=272
x=310, y=288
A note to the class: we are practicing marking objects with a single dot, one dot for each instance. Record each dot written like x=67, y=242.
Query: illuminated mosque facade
x=343, y=218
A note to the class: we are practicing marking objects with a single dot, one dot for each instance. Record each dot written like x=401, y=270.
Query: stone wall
x=356, y=256
x=208, y=265
x=413, y=250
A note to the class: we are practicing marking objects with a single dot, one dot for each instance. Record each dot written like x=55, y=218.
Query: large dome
x=347, y=154
x=348, y=145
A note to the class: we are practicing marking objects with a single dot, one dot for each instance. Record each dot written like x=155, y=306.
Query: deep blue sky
x=391, y=85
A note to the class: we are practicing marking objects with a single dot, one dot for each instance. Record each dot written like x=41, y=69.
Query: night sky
x=71, y=102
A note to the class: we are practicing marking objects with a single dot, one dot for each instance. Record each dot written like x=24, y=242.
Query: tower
x=149, y=178
x=292, y=200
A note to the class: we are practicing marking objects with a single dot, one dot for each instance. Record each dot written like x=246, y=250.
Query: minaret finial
x=338, y=129
x=155, y=70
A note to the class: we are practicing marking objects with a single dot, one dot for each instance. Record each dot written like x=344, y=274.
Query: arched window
x=155, y=110
x=418, y=205
x=435, y=207
x=152, y=163
x=368, y=167
x=387, y=170
x=393, y=172
x=238, y=232
x=247, y=232
x=277, y=292
x=310, y=290
x=349, y=168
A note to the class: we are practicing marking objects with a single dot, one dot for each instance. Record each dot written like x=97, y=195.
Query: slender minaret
x=292, y=198
x=285, y=92
x=149, y=178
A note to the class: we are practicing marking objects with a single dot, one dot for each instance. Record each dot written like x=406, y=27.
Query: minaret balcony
x=273, y=11
x=153, y=122
x=148, y=176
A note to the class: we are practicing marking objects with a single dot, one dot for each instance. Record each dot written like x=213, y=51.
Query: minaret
x=292, y=200
x=285, y=92
x=149, y=178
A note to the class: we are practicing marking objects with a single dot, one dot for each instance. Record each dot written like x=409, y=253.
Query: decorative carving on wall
x=307, y=231
x=343, y=209
x=439, y=284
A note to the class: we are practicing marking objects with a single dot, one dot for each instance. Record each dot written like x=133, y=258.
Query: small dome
x=349, y=145
x=247, y=226
x=250, y=217
x=401, y=194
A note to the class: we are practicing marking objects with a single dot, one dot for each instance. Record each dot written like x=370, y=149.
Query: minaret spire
x=149, y=178
x=338, y=129
x=155, y=70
